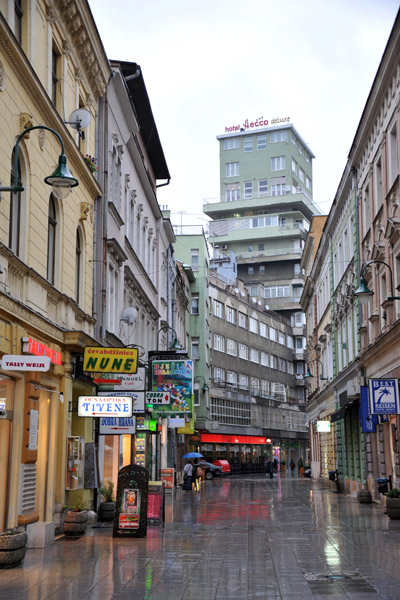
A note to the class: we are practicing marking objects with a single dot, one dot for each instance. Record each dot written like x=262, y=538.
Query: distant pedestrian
x=300, y=465
x=270, y=469
x=292, y=466
x=188, y=476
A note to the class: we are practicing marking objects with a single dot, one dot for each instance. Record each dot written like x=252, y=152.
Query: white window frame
x=278, y=163
x=232, y=169
x=248, y=143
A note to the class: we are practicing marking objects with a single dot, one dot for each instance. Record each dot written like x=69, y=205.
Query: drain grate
x=332, y=577
x=339, y=583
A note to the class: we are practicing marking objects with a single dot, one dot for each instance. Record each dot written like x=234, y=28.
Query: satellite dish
x=254, y=300
x=236, y=290
x=259, y=302
x=79, y=119
x=267, y=307
x=243, y=293
x=129, y=315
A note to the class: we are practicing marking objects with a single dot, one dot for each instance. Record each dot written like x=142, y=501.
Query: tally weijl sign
x=15, y=362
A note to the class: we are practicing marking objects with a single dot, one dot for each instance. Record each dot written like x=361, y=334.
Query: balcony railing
x=288, y=190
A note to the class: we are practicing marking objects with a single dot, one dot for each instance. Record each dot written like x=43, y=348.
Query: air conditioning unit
x=224, y=247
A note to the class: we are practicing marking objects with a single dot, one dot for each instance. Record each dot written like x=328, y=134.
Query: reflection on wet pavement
x=239, y=538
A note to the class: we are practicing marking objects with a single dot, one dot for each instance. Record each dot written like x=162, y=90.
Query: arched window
x=15, y=210
x=78, y=265
x=51, y=241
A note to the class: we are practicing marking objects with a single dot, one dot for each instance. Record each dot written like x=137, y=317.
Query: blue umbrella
x=193, y=455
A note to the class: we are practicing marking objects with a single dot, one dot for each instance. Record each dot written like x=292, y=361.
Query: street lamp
x=175, y=344
x=205, y=387
x=308, y=375
x=61, y=180
x=363, y=292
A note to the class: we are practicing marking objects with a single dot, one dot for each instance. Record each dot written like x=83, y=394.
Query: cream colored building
x=51, y=63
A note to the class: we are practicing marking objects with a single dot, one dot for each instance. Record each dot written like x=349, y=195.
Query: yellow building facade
x=51, y=63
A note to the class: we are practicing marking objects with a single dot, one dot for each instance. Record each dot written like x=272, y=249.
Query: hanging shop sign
x=32, y=346
x=102, y=406
x=323, y=426
x=117, y=425
x=122, y=381
x=110, y=360
x=174, y=377
x=137, y=399
x=15, y=362
x=384, y=396
x=368, y=421
x=158, y=398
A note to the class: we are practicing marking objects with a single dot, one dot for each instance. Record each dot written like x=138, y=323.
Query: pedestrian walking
x=270, y=469
x=292, y=466
x=197, y=477
x=188, y=476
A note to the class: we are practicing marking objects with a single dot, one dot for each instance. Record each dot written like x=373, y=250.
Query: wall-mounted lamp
x=61, y=180
x=308, y=375
x=363, y=292
x=175, y=344
x=205, y=387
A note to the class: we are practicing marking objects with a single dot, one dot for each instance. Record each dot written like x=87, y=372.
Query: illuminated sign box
x=14, y=362
x=110, y=360
x=323, y=426
x=105, y=406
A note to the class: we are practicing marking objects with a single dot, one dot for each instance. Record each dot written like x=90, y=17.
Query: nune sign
x=105, y=406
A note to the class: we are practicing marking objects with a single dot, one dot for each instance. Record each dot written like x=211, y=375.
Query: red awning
x=232, y=439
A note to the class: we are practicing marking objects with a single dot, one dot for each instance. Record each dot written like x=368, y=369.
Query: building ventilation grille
x=27, y=488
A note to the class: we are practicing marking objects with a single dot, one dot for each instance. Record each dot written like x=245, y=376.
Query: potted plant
x=91, y=162
x=12, y=547
x=76, y=520
x=393, y=503
x=107, y=507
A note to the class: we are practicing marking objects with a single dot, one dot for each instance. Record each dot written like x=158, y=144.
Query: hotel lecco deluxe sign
x=110, y=360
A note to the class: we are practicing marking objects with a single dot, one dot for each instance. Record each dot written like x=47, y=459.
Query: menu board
x=130, y=512
x=155, y=504
x=167, y=476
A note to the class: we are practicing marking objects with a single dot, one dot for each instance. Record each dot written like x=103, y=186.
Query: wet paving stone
x=238, y=539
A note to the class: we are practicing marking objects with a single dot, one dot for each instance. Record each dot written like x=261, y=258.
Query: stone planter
x=364, y=496
x=75, y=522
x=393, y=508
x=106, y=511
x=12, y=549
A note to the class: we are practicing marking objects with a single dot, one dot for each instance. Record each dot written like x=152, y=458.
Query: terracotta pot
x=76, y=522
x=12, y=549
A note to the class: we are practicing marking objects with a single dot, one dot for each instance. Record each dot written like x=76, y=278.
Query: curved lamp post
x=308, y=375
x=175, y=344
x=363, y=292
x=61, y=180
x=205, y=387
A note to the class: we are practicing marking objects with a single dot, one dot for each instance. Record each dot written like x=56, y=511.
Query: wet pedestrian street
x=238, y=538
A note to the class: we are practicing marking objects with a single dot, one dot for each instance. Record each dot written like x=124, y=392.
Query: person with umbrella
x=188, y=477
x=191, y=471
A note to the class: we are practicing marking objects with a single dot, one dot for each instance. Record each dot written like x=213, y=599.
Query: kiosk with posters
x=131, y=505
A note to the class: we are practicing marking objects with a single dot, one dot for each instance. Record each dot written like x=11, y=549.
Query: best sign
x=103, y=406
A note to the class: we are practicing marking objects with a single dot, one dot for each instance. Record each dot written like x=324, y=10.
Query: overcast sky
x=211, y=64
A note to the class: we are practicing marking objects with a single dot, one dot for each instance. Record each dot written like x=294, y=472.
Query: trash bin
x=332, y=475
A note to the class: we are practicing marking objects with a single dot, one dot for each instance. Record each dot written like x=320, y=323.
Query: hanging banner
x=174, y=377
x=368, y=421
x=384, y=396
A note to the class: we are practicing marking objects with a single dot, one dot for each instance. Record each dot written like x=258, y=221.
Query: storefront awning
x=232, y=439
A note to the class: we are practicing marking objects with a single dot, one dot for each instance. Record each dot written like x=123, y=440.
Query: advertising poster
x=167, y=475
x=176, y=378
x=130, y=513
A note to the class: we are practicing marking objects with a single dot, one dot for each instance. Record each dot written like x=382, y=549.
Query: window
x=232, y=192
x=116, y=175
x=243, y=351
x=218, y=309
x=194, y=309
x=262, y=141
x=18, y=20
x=254, y=386
x=250, y=270
x=231, y=143
x=278, y=163
x=272, y=334
x=290, y=367
x=15, y=210
x=295, y=166
x=263, y=187
x=263, y=330
x=299, y=343
x=230, y=314
x=230, y=412
x=232, y=169
x=219, y=342
x=282, y=365
x=278, y=136
x=113, y=298
x=195, y=349
x=264, y=388
x=242, y=322
x=55, y=67
x=261, y=247
x=231, y=347
x=301, y=175
x=278, y=186
x=254, y=355
x=281, y=338
x=219, y=374
x=78, y=265
x=194, y=257
x=248, y=144
x=248, y=190
x=243, y=381
x=51, y=240
x=261, y=269
x=231, y=377
x=289, y=341
x=253, y=323
x=264, y=359
x=254, y=291
x=393, y=155
x=378, y=185
x=273, y=361
x=276, y=291
x=265, y=221
x=308, y=183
